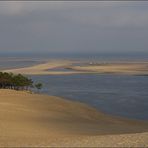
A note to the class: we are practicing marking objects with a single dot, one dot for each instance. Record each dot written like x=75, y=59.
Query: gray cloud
x=74, y=26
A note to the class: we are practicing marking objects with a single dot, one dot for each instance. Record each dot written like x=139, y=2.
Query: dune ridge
x=40, y=120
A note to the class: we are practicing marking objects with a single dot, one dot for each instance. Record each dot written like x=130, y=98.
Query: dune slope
x=39, y=120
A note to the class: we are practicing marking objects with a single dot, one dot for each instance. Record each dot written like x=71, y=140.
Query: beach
x=68, y=67
x=73, y=74
x=29, y=119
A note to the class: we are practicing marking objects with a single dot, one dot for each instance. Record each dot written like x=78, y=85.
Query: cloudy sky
x=74, y=27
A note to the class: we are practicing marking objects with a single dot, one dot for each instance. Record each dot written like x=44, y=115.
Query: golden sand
x=130, y=68
x=38, y=120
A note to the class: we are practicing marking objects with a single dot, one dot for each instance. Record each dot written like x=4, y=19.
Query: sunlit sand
x=38, y=120
x=130, y=68
x=133, y=68
x=42, y=69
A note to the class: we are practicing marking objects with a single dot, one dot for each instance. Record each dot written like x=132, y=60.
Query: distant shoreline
x=127, y=68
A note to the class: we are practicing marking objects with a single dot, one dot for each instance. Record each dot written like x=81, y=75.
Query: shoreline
x=42, y=120
x=66, y=67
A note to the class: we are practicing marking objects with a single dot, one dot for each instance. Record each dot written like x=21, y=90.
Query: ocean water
x=10, y=63
x=119, y=95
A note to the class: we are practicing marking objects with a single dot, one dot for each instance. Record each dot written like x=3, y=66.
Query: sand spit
x=39, y=120
x=40, y=69
x=130, y=68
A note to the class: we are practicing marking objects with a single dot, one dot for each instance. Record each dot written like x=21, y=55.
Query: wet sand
x=39, y=120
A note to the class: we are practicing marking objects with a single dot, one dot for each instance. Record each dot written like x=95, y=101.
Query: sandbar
x=126, y=68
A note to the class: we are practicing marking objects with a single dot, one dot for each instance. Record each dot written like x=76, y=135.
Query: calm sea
x=121, y=95
x=10, y=63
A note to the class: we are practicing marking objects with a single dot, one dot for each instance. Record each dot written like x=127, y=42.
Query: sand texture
x=38, y=120
x=130, y=68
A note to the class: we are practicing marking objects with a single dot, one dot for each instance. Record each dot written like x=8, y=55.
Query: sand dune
x=131, y=68
x=39, y=120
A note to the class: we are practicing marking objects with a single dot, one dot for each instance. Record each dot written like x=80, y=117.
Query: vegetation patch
x=16, y=82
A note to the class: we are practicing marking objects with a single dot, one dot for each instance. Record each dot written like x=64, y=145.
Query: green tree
x=17, y=82
x=39, y=86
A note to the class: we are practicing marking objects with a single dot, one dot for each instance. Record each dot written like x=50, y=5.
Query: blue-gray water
x=6, y=63
x=119, y=95
x=122, y=95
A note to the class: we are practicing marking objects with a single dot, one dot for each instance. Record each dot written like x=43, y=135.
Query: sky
x=74, y=27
